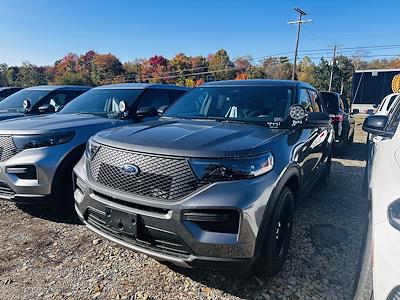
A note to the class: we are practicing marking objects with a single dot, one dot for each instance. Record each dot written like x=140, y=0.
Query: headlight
x=230, y=169
x=42, y=140
x=394, y=214
x=91, y=148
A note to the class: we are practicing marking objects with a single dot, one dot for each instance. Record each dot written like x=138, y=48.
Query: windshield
x=101, y=101
x=15, y=100
x=252, y=104
x=331, y=103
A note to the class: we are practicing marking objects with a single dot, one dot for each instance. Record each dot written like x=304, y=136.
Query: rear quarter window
x=175, y=94
x=331, y=102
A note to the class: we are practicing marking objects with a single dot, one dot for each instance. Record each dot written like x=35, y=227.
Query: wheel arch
x=73, y=156
x=291, y=178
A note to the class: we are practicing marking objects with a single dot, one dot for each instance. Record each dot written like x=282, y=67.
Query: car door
x=321, y=145
x=312, y=140
x=373, y=144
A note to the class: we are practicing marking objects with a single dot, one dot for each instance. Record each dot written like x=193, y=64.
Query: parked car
x=380, y=271
x=38, y=100
x=342, y=120
x=7, y=91
x=387, y=103
x=214, y=182
x=39, y=152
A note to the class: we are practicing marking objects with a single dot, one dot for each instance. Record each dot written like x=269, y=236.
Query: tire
x=351, y=139
x=277, y=239
x=324, y=180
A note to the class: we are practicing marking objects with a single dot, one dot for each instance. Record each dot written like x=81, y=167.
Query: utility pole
x=333, y=64
x=299, y=22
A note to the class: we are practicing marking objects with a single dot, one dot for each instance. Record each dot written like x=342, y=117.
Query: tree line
x=95, y=69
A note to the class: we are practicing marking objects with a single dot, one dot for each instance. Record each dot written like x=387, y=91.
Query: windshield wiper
x=225, y=120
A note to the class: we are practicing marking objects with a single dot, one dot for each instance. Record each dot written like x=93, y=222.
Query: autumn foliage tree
x=221, y=66
x=92, y=68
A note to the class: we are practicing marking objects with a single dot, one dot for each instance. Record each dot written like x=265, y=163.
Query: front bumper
x=162, y=231
x=42, y=163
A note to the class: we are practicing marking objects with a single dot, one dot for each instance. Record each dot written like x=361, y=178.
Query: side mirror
x=376, y=125
x=46, y=108
x=162, y=109
x=317, y=119
x=26, y=104
x=376, y=105
x=356, y=111
x=146, y=111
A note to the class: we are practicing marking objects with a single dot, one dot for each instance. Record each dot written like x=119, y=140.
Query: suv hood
x=192, y=138
x=56, y=123
x=8, y=113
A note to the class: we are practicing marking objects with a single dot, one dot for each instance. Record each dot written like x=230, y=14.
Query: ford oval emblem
x=129, y=169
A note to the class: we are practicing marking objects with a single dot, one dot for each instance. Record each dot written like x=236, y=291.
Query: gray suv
x=214, y=182
x=37, y=153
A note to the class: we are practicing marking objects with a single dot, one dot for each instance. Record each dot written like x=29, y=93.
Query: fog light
x=22, y=171
x=394, y=215
x=214, y=220
x=394, y=294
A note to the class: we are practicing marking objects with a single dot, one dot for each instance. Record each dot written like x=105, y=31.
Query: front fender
x=292, y=172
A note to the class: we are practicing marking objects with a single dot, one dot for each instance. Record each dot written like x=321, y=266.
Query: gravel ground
x=47, y=256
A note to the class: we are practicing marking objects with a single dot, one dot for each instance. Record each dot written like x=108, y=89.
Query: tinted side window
x=394, y=120
x=154, y=98
x=345, y=104
x=175, y=94
x=391, y=102
x=304, y=100
x=315, y=101
x=59, y=98
x=6, y=93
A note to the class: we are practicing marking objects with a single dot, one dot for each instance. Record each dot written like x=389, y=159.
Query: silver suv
x=214, y=182
x=37, y=153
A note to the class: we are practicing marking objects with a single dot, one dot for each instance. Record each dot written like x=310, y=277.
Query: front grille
x=161, y=178
x=7, y=147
